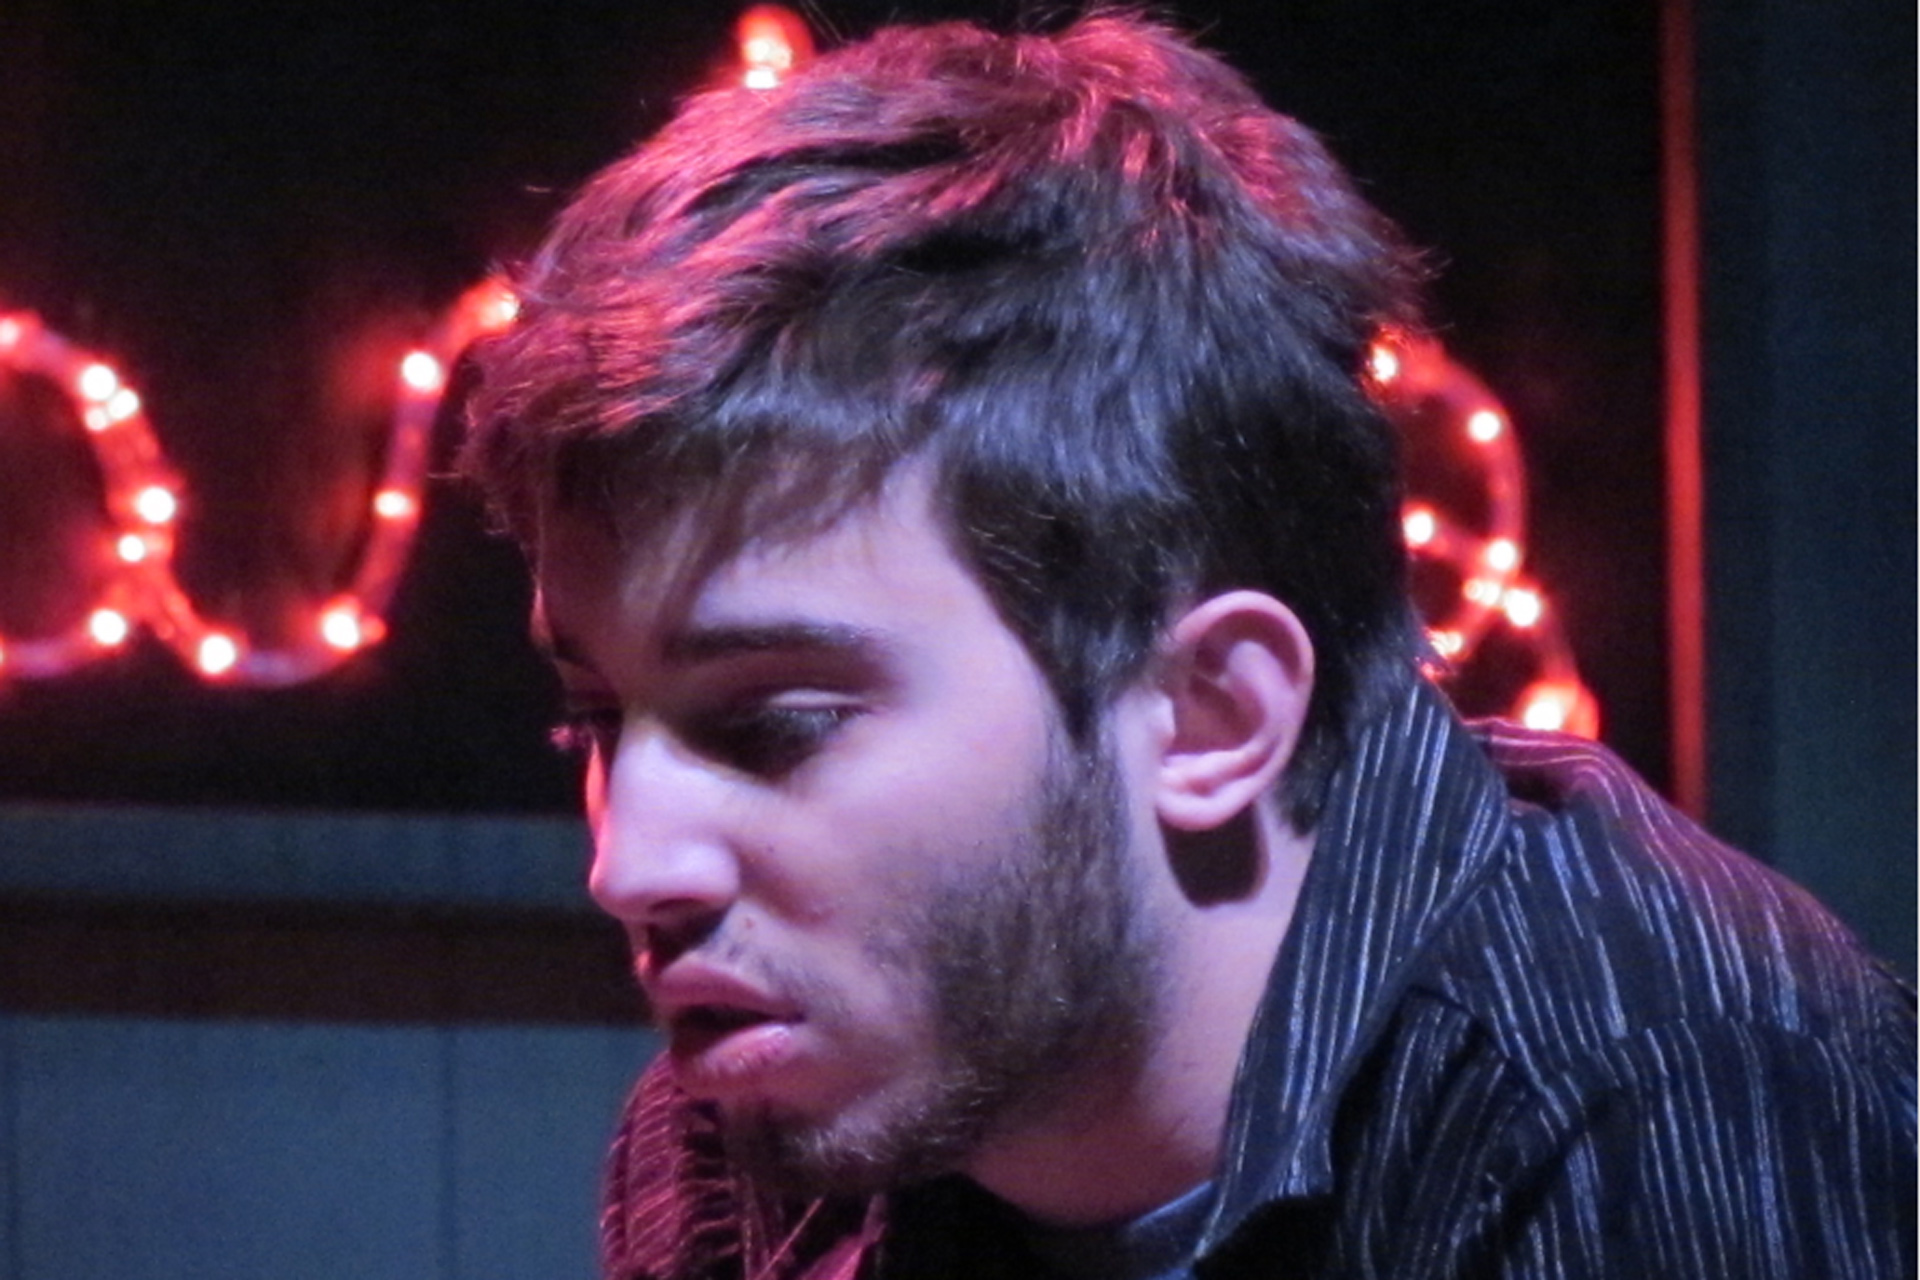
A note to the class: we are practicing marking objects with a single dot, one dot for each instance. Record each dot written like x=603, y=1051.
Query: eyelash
x=767, y=740
x=762, y=739
x=580, y=733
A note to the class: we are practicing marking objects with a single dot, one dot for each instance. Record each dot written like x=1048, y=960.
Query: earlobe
x=1238, y=675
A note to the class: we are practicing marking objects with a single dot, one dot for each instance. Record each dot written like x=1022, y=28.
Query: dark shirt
x=1156, y=1246
x=1528, y=1022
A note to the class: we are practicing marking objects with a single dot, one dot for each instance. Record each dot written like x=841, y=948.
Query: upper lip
x=687, y=986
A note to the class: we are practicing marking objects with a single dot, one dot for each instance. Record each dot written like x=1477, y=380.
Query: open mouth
x=701, y=1025
x=719, y=1050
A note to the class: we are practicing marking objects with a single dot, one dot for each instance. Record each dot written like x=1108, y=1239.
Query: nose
x=664, y=859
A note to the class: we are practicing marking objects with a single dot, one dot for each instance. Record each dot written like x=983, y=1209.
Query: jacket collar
x=1413, y=820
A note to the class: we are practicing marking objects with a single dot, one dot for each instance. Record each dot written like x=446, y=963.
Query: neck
x=1122, y=1147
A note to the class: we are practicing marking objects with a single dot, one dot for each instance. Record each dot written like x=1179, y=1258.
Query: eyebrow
x=711, y=643
x=715, y=643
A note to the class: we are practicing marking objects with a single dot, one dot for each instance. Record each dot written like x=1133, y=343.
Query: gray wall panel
x=463, y=860
x=178, y=1150
x=189, y=1151
x=530, y=1115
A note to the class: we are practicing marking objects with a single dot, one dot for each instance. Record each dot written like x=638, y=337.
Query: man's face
x=884, y=911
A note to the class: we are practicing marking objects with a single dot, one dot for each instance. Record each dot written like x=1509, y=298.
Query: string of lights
x=145, y=496
x=1468, y=570
x=1469, y=566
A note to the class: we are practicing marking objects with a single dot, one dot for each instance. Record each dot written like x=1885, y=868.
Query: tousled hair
x=1116, y=305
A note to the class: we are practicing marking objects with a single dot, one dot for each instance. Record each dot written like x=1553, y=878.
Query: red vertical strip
x=1686, y=570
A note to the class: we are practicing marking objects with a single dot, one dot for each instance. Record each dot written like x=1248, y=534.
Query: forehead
x=886, y=565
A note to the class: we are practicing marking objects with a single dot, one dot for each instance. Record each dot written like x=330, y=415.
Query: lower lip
x=720, y=1064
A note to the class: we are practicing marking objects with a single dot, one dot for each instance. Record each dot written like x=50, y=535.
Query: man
x=973, y=559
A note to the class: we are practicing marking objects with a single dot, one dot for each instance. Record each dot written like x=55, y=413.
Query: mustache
x=725, y=950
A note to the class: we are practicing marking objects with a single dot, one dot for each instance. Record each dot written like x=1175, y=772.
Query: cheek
x=913, y=798
x=865, y=896
x=917, y=826
x=958, y=773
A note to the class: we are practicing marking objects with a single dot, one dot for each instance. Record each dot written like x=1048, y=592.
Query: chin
x=877, y=1144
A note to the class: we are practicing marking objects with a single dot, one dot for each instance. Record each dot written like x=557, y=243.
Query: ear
x=1237, y=674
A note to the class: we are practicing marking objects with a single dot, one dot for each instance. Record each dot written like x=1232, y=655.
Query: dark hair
x=1118, y=305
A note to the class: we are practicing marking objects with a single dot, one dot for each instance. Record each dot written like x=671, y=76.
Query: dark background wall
x=1807, y=115
x=249, y=210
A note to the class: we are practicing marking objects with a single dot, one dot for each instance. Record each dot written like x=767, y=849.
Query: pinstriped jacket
x=1528, y=1022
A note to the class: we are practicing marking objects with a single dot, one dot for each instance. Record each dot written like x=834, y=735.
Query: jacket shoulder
x=1611, y=913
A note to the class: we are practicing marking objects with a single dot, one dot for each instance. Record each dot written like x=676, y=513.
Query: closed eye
x=768, y=739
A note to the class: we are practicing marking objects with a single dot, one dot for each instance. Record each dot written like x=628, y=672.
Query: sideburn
x=1046, y=974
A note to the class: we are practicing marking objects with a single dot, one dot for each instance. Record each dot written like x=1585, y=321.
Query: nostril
x=665, y=939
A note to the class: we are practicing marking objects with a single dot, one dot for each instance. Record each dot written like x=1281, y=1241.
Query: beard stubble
x=1039, y=967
